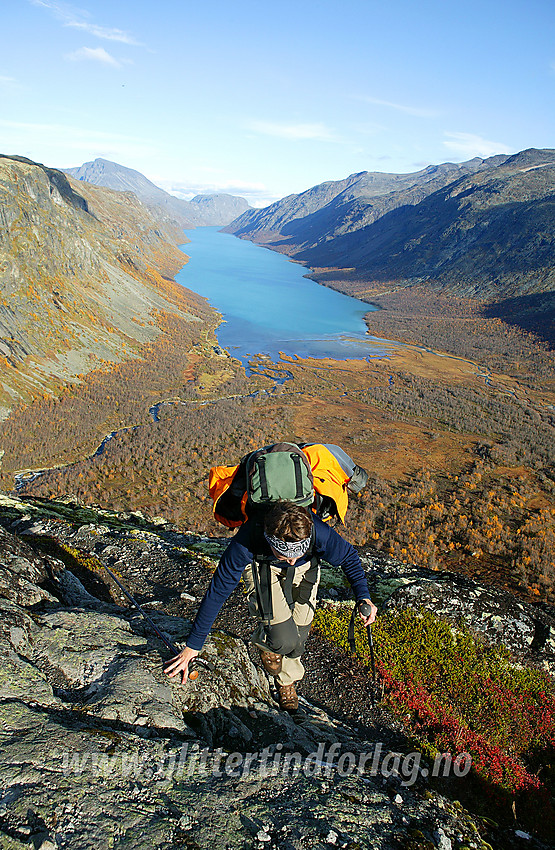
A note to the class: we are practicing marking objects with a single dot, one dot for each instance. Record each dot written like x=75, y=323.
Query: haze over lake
x=267, y=304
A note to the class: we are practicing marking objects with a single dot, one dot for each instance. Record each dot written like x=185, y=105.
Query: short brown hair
x=288, y=521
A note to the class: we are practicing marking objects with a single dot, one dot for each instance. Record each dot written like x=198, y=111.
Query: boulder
x=22, y=572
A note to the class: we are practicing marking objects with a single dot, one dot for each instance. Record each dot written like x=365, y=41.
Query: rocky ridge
x=481, y=229
x=100, y=749
x=323, y=212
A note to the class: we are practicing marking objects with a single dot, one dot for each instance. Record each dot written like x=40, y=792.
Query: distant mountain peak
x=219, y=209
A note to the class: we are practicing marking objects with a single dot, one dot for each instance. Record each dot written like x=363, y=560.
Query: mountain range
x=483, y=228
x=202, y=210
x=83, y=267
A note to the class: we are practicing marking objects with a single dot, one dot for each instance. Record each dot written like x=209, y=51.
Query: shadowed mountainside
x=484, y=229
x=334, y=208
x=534, y=313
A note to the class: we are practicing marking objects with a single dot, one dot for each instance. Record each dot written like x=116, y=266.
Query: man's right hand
x=180, y=664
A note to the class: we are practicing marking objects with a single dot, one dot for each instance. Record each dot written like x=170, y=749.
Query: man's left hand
x=369, y=618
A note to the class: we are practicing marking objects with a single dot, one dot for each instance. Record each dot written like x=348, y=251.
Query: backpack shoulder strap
x=262, y=573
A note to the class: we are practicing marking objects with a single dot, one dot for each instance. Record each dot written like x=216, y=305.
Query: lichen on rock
x=100, y=749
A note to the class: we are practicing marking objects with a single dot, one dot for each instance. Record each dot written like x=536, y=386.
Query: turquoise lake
x=267, y=304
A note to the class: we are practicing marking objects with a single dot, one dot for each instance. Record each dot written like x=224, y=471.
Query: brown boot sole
x=271, y=662
x=288, y=699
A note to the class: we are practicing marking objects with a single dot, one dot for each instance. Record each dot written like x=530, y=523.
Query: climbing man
x=279, y=561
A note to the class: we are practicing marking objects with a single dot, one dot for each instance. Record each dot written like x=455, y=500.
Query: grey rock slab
x=132, y=693
x=77, y=781
x=21, y=680
x=77, y=647
x=234, y=681
x=97, y=786
x=73, y=593
x=22, y=571
x=17, y=626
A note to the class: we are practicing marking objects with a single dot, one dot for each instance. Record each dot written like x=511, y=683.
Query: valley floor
x=459, y=448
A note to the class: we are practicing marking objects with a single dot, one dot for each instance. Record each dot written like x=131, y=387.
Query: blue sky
x=265, y=99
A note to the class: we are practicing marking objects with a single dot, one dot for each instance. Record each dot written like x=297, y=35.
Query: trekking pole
x=365, y=610
x=199, y=662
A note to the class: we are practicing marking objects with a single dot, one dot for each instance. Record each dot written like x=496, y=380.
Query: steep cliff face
x=80, y=276
x=485, y=229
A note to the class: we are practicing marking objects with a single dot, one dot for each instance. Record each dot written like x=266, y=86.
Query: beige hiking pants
x=289, y=627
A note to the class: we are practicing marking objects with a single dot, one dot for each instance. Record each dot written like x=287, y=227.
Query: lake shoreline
x=241, y=281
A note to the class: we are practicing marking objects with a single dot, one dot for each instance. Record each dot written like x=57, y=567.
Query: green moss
x=209, y=548
x=223, y=642
x=386, y=587
x=417, y=841
x=84, y=560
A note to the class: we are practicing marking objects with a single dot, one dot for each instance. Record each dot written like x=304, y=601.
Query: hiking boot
x=288, y=699
x=271, y=662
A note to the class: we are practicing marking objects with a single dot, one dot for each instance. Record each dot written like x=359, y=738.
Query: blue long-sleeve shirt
x=328, y=545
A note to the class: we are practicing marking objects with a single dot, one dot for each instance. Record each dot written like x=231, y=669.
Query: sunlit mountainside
x=85, y=275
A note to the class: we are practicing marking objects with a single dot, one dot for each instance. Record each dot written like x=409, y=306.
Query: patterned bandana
x=287, y=548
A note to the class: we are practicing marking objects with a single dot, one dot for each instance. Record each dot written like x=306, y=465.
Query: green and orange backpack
x=315, y=475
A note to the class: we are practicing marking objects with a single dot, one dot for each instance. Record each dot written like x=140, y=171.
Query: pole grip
x=195, y=663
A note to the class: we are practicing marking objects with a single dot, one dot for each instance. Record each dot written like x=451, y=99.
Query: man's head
x=288, y=530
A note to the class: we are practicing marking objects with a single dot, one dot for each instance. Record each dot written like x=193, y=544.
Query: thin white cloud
x=9, y=84
x=294, y=132
x=105, y=32
x=65, y=145
x=418, y=111
x=79, y=19
x=470, y=145
x=93, y=54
